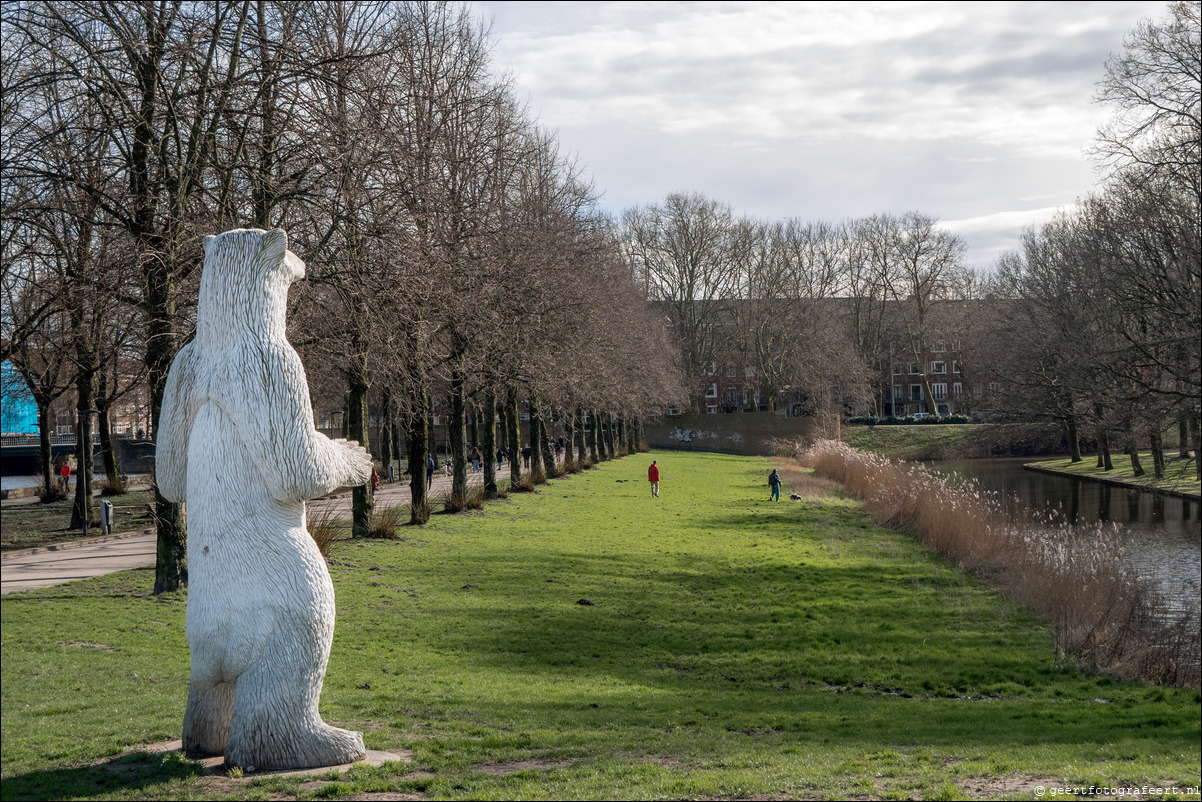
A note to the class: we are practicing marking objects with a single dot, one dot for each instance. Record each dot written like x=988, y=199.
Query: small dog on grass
x=795, y=497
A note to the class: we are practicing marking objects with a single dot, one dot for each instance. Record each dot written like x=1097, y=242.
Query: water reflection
x=1162, y=534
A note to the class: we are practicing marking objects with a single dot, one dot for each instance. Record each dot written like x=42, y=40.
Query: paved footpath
x=45, y=566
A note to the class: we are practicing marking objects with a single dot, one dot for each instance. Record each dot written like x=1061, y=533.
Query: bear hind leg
x=207, y=719
x=276, y=725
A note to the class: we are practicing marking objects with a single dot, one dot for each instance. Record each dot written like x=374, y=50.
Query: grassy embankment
x=927, y=441
x=955, y=441
x=1180, y=475
x=732, y=647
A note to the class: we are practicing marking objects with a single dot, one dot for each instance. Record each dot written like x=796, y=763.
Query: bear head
x=244, y=284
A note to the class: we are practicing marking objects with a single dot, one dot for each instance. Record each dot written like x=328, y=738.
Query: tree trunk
x=538, y=470
x=549, y=467
x=473, y=426
x=458, y=434
x=171, y=554
x=81, y=511
x=488, y=444
x=418, y=434
x=387, y=454
x=594, y=437
x=1157, y=453
x=107, y=453
x=1106, y=461
x=1074, y=442
x=45, y=452
x=362, y=502
x=581, y=452
x=1133, y=452
x=513, y=434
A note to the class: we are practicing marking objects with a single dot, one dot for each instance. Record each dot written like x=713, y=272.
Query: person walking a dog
x=774, y=483
x=653, y=477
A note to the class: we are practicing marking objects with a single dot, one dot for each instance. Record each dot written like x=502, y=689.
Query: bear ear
x=275, y=243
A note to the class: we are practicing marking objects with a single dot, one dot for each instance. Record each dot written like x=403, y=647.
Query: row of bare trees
x=810, y=307
x=1107, y=298
x=455, y=255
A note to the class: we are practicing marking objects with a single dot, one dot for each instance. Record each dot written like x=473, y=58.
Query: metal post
x=106, y=517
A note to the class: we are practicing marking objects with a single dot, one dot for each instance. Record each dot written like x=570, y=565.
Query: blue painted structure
x=18, y=412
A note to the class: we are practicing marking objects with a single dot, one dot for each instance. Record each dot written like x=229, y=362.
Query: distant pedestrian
x=774, y=483
x=476, y=458
x=653, y=477
x=430, y=471
x=500, y=456
x=64, y=476
x=526, y=456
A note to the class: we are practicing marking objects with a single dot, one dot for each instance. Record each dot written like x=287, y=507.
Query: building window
x=897, y=369
x=713, y=368
x=732, y=395
x=915, y=392
x=749, y=372
x=955, y=366
x=712, y=392
x=913, y=370
x=957, y=389
x=731, y=371
x=939, y=390
x=939, y=367
x=899, y=393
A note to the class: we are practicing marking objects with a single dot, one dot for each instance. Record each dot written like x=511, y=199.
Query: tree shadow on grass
x=137, y=771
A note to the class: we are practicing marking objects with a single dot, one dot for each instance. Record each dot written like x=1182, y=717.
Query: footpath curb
x=1164, y=491
x=71, y=544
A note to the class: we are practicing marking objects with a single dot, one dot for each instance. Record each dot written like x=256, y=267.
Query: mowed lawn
x=592, y=642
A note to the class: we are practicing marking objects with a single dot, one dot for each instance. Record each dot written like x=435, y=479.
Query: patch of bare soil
x=510, y=766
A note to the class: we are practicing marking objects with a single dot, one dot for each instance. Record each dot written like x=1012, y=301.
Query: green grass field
x=34, y=524
x=732, y=648
x=1180, y=475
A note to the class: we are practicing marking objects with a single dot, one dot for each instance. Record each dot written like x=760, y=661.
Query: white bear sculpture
x=236, y=442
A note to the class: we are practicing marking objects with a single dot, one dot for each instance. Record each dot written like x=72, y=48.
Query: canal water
x=1162, y=535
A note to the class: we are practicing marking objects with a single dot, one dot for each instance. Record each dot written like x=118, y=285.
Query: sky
x=979, y=114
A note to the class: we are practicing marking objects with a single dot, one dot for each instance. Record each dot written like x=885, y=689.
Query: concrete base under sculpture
x=237, y=443
x=217, y=764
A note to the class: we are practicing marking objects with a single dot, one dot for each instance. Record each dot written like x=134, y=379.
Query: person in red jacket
x=653, y=477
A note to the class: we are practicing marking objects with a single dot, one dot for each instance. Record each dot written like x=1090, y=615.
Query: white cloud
x=824, y=109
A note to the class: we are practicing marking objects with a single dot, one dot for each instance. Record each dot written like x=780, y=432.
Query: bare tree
x=680, y=252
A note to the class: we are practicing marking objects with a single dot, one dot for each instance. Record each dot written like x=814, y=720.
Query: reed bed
x=1104, y=615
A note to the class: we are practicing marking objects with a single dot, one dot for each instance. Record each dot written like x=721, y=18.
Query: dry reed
x=114, y=486
x=384, y=523
x=1103, y=615
x=324, y=528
